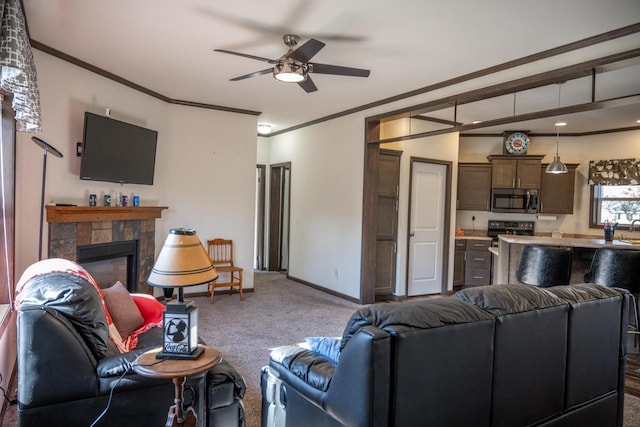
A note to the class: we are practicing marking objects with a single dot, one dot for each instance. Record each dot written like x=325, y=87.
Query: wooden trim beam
x=549, y=134
x=518, y=85
x=109, y=75
x=437, y=120
x=578, y=108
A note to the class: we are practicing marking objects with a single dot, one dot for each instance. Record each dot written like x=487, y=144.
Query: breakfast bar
x=510, y=248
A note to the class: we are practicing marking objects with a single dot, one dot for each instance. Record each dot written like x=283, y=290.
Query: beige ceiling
x=167, y=47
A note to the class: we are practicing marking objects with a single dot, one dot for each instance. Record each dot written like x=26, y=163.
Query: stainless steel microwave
x=514, y=200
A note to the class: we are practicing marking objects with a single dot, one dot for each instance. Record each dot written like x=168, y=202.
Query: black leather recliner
x=67, y=366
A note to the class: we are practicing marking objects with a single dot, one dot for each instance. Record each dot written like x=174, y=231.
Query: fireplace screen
x=112, y=262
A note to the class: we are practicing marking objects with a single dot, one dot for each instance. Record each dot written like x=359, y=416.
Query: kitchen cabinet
x=472, y=262
x=477, y=270
x=510, y=172
x=458, y=262
x=474, y=186
x=557, y=191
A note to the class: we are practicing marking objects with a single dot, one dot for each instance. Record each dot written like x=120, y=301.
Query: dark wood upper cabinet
x=474, y=187
x=523, y=172
x=557, y=191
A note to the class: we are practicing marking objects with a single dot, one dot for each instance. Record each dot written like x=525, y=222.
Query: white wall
x=327, y=169
x=204, y=167
x=264, y=146
x=572, y=150
x=326, y=201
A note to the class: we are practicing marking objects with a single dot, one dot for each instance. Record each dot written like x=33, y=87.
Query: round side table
x=177, y=370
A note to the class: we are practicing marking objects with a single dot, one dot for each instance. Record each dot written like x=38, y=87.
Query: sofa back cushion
x=422, y=314
x=597, y=341
x=441, y=353
x=530, y=351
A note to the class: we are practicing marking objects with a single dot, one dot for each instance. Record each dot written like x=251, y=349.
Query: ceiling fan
x=294, y=66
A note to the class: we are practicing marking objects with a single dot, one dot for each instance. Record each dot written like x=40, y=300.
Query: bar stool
x=545, y=265
x=619, y=268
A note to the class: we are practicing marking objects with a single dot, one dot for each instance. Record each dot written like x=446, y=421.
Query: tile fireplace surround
x=73, y=226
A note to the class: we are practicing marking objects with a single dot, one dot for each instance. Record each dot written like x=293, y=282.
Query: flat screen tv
x=116, y=151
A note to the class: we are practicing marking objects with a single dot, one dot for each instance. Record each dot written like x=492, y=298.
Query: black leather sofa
x=67, y=366
x=501, y=355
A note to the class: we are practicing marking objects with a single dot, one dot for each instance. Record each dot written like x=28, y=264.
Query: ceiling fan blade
x=338, y=70
x=255, y=74
x=308, y=85
x=244, y=55
x=334, y=37
x=298, y=13
x=307, y=51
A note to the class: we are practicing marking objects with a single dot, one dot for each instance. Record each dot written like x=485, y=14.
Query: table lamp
x=182, y=262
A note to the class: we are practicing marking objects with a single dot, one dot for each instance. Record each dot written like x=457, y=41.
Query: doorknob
x=412, y=234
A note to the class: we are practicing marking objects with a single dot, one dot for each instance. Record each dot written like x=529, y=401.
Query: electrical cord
x=127, y=371
x=103, y=413
x=6, y=396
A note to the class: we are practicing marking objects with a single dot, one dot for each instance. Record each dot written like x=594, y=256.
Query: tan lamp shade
x=183, y=261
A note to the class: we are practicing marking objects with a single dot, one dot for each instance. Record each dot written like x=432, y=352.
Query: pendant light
x=557, y=167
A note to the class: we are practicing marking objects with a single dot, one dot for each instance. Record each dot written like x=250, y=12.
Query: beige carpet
x=279, y=312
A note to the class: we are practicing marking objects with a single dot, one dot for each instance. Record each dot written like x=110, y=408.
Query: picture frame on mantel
x=515, y=142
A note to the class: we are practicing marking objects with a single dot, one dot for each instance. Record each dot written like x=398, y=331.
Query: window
x=616, y=203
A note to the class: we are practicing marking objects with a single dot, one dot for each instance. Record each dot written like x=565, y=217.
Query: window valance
x=17, y=69
x=614, y=172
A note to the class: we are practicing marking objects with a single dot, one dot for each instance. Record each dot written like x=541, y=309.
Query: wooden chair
x=221, y=255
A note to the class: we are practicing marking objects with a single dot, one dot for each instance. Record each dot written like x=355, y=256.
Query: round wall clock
x=517, y=143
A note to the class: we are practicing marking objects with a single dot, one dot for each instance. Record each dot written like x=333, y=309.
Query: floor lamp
x=47, y=149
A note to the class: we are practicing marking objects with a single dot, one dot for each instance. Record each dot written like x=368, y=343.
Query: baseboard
x=325, y=290
x=219, y=292
x=390, y=297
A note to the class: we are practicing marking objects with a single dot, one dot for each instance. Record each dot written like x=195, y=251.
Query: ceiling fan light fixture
x=289, y=72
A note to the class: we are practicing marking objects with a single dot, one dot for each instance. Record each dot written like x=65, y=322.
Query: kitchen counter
x=575, y=242
x=510, y=248
x=477, y=236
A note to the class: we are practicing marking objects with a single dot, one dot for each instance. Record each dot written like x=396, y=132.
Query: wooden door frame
x=447, y=218
x=260, y=220
x=369, y=213
x=275, y=214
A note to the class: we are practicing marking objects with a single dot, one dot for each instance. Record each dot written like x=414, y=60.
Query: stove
x=521, y=228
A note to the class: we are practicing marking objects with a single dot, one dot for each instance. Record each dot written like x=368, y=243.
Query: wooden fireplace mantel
x=102, y=213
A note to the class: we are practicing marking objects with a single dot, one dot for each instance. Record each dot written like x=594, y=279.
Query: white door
x=426, y=228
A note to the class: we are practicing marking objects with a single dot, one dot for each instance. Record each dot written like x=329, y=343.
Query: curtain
x=614, y=172
x=17, y=69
